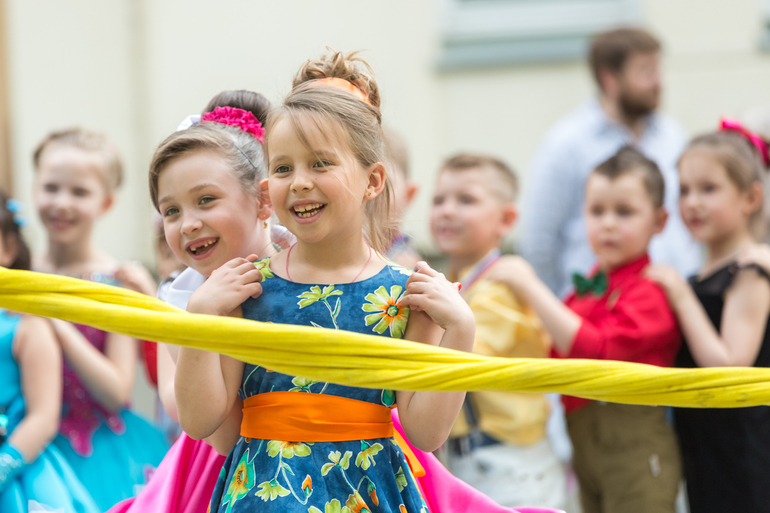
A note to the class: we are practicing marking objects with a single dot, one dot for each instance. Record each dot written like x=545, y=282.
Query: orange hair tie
x=341, y=83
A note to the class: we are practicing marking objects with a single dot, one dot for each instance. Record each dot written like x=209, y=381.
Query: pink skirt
x=182, y=483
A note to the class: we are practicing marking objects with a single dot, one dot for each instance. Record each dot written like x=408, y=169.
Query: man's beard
x=634, y=107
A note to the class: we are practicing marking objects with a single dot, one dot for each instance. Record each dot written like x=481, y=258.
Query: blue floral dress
x=324, y=477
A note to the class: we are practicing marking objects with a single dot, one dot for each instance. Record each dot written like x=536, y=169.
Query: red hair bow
x=239, y=118
x=733, y=125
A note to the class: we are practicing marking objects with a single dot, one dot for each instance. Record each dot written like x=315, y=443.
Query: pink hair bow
x=242, y=119
x=733, y=125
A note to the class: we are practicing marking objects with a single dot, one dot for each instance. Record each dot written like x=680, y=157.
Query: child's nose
x=301, y=180
x=191, y=224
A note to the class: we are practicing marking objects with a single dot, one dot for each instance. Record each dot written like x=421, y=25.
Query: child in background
x=112, y=450
x=498, y=443
x=330, y=189
x=626, y=457
x=30, y=400
x=404, y=191
x=186, y=478
x=723, y=313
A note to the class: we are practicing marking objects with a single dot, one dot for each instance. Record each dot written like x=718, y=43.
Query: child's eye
x=709, y=188
x=170, y=212
x=281, y=169
x=80, y=192
x=51, y=187
x=206, y=199
x=438, y=200
x=322, y=163
x=597, y=211
x=466, y=200
x=684, y=191
x=625, y=212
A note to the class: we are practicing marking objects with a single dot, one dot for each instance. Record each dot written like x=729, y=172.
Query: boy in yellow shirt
x=498, y=443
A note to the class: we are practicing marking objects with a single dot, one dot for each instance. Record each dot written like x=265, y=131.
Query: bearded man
x=626, y=66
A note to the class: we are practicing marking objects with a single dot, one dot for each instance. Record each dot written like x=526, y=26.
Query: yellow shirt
x=506, y=328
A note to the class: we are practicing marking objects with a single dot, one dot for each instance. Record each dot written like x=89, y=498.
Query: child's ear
x=510, y=215
x=412, y=188
x=755, y=197
x=661, y=217
x=376, y=181
x=265, y=205
x=109, y=200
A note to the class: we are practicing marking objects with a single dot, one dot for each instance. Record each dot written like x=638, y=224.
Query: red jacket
x=630, y=322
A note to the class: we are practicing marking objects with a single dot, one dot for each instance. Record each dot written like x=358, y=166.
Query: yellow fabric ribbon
x=370, y=361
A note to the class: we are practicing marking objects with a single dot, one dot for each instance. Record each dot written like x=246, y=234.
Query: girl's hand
x=668, y=278
x=514, y=272
x=227, y=288
x=758, y=254
x=429, y=291
x=135, y=277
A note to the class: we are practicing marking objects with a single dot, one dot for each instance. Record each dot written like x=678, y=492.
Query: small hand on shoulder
x=514, y=272
x=669, y=280
x=136, y=277
x=756, y=254
x=427, y=290
x=227, y=287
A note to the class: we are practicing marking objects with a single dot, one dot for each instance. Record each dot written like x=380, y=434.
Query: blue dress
x=113, y=453
x=48, y=480
x=323, y=477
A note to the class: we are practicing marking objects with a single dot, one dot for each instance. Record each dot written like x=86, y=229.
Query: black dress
x=725, y=452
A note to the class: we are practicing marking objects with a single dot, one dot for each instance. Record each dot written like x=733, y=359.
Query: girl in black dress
x=723, y=314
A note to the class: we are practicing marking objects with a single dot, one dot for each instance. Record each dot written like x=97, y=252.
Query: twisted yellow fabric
x=370, y=361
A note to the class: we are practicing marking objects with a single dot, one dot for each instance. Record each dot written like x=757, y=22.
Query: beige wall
x=135, y=68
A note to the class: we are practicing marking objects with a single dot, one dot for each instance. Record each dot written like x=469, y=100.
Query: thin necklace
x=288, y=254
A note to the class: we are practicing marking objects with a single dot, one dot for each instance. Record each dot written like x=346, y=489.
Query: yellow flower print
x=387, y=311
x=365, y=458
x=356, y=504
x=263, y=266
x=271, y=490
x=287, y=449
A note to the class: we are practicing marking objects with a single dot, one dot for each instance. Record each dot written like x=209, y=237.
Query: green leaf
x=401, y=479
x=287, y=468
x=345, y=462
x=327, y=468
x=388, y=397
x=313, y=509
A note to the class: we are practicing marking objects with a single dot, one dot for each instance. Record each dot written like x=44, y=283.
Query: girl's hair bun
x=347, y=66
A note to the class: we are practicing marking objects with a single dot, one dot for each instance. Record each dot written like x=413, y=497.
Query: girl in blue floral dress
x=307, y=446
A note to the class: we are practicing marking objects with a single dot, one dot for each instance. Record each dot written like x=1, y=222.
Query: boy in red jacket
x=626, y=457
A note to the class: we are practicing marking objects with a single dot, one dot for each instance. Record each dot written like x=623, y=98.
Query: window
x=489, y=32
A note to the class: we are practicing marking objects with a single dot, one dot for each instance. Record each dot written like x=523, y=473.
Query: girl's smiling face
x=70, y=193
x=207, y=216
x=318, y=190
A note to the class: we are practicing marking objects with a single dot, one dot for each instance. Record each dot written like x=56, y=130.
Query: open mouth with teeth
x=305, y=211
x=202, y=247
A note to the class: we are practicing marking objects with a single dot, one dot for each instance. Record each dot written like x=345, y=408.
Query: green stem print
x=315, y=294
x=271, y=490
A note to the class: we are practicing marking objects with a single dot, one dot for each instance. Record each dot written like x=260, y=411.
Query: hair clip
x=239, y=118
x=189, y=121
x=341, y=83
x=733, y=125
x=16, y=207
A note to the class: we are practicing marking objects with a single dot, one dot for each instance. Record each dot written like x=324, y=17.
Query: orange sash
x=304, y=417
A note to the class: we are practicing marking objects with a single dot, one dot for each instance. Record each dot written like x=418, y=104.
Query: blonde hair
x=86, y=140
x=242, y=152
x=507, y=184
x=741, y=161
x=352, y=120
